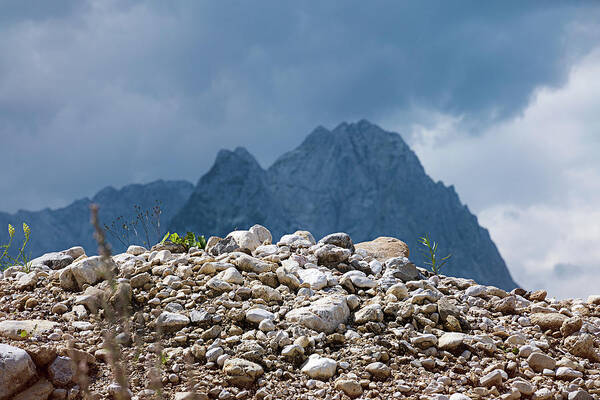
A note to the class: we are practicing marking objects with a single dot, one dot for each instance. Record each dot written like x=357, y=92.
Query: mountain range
x=356, y=178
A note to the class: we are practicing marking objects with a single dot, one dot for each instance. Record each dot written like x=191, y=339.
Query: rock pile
x=297, y=319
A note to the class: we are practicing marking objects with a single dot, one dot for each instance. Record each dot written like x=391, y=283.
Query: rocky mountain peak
x=356, y=178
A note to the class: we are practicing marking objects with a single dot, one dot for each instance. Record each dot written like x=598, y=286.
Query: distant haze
x=500, y=99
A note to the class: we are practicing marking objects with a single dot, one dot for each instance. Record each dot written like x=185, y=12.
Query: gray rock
x=200, y=317
x=92, y=270
x=567, y=373
x=231, y=275
x=16, y=370
x=27, y=281
x=379, y=370
x=53, y=260
x=451, y=340
x=263, y=234
x=493, y=378
x=540, y=361
x=294, y=241
x=340, y=239
x=580, y=395
x=370, y=313
x=219, y=285
x=61, y=371
x=256, y=315
x=38, y=391
x=329, y=254
x=136, y=250
x=171, y=322
x=223, y=246
x=251, y=264
x=402, y=268
x=582, y=345
x=140, y=280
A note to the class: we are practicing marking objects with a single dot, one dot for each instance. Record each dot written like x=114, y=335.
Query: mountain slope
x=54, y=230
x=357, y=179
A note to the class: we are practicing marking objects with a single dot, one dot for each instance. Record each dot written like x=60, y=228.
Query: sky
x=500, y=99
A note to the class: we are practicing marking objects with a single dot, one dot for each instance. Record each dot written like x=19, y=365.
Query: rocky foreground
x=298, y=319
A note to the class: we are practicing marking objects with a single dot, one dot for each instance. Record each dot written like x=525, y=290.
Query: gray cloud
x=99, y=92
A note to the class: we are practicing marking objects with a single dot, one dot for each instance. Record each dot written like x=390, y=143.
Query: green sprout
x=188, y=241
x=430, y=254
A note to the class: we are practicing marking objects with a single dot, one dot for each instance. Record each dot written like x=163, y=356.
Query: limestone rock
x=350, y=387
x=318, y=367
x=384, y=248
x=263, y=234
x=38, y=391
x=571, y=326
x=92, y=270
x=324, y=315
x=242, y=373
x=170, y=322
x=540, y=361
x=372, y=312
x=246, y=240
x=315, y=278
x=582, y=346
x=552, y=321
x=251, y=264
x=451, y=341
x=20, y=330
x=223, y=246
x=379, y=370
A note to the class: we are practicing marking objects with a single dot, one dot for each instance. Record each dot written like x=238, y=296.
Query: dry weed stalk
x=115, y=305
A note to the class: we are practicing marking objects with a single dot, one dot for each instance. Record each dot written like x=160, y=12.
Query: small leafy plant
x=188, y=241
x=5, y=259
x=431, y=255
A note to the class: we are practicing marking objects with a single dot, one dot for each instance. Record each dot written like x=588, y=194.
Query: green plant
x=431, y=256
x=5, y=259
x=188, y=241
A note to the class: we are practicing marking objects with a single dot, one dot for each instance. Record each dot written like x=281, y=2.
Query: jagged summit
x=356, y=178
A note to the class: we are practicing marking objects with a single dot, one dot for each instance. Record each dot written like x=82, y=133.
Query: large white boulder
x=318, y=367
x=16, y=370
x=324, y=315
x=246, y=240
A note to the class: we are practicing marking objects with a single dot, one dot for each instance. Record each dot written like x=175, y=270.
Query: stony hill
x=301, y=319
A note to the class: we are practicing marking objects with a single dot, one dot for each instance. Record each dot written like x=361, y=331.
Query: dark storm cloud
x=99, y=92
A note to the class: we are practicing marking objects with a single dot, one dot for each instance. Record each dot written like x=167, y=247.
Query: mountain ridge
x=356, y=178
